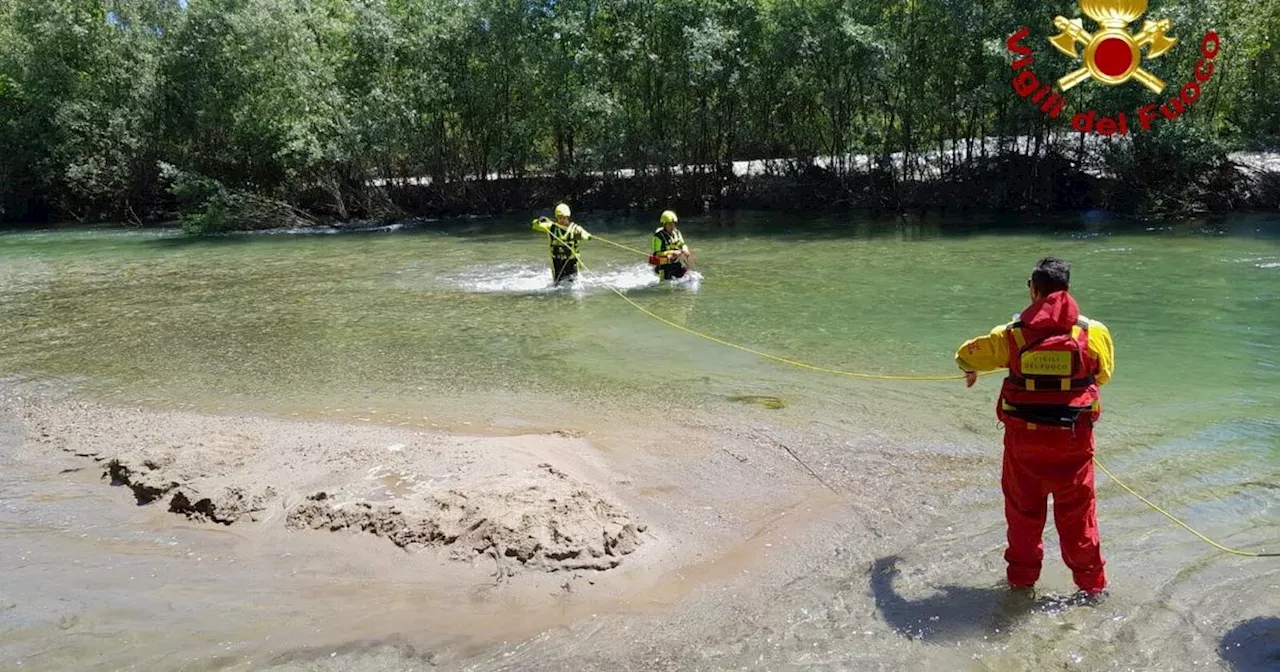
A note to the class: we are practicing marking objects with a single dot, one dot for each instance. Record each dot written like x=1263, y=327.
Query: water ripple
x=517, y=278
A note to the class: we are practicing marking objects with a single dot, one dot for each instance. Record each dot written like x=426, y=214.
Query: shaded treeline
x=252, y=110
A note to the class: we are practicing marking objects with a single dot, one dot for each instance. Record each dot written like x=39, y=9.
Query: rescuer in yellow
x=670, y=254
x=566, y=240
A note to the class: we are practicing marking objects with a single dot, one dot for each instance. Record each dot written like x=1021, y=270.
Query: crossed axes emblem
x=1120, y=55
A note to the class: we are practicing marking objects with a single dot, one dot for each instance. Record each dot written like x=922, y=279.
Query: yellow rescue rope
x=873, y=376
x=776, y=358
x=1184, y=526
x=784, y=360
x=617, y=245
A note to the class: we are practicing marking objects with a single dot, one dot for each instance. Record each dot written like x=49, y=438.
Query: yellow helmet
x=668, y=217
x=562, y=210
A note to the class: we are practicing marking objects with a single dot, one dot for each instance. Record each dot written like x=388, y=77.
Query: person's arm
x=576, y=231
x=984, y=353
x=1102, y=347
x=542, y=224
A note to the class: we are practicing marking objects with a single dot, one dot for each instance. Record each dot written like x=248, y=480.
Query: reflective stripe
x=668, y=242
x=563, y=245
x=1019, y=338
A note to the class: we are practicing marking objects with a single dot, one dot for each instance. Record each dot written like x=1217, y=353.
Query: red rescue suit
x=1049, y=403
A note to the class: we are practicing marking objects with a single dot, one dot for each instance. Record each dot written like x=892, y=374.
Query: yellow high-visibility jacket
x=566, y=242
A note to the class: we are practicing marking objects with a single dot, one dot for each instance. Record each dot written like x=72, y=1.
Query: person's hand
x=970, y=377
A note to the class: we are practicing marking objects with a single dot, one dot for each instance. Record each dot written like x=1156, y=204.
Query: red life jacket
x=1051, y=371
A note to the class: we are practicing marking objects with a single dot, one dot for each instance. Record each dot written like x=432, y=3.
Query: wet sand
x=718, y=550
x=354, y=531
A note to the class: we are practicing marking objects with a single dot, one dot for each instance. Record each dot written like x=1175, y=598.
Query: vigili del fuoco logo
x=1112, y=56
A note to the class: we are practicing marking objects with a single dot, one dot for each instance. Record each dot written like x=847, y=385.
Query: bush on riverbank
x=206, y=205
x=1176, y=170
x=1147, y=178
x=1150, y=176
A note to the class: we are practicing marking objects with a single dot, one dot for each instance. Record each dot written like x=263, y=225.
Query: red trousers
x=1051, y=461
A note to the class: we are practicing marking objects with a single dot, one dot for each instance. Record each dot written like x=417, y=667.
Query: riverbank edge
x=1053, y=182
x=1003, y=186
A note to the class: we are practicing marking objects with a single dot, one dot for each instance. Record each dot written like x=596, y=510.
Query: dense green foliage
x=306, y=101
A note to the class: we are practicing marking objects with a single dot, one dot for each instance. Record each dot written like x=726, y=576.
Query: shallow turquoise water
x=412, y=320
x=462, y=310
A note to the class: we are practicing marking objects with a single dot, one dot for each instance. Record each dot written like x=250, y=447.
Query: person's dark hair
x=1051, y=275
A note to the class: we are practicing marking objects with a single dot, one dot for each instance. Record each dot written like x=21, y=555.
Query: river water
x=454, y=324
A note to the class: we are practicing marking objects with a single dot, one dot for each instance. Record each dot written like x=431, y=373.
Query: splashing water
x=517, y=278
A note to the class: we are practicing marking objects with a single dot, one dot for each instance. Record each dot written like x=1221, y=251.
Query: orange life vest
x=1051, y=378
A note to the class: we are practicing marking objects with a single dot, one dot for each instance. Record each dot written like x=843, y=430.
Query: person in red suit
x=1056, y=360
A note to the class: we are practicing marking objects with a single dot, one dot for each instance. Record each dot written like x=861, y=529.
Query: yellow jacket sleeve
x=541, y=225
x=1103, y=348
x=985, y=353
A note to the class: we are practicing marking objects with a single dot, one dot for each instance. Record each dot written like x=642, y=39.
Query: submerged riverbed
x=453, y=326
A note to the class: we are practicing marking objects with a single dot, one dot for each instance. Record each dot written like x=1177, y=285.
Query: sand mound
x=542, y=520
x=222, y=504
x=494, y=497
